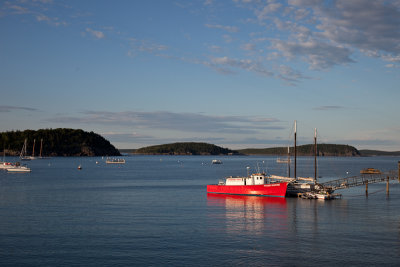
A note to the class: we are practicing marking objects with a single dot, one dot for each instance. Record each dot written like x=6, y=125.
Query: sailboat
x=33, y=150
x=23, y=155
x=41, y=150
x=5, y=165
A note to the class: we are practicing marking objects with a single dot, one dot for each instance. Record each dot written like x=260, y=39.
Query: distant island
x=306, y=150
x=193, y=148
x=57, y=142
x=185, y=148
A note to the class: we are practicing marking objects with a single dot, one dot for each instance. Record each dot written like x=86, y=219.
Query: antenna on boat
x=315, y=155
x=295, y=150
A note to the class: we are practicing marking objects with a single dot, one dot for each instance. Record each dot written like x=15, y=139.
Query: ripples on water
x=154, y=211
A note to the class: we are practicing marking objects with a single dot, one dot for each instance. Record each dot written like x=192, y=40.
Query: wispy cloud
x=323, y=34
x=328, y=108
x=370, y=27
x=227, y=65
x=359, y=143
x=95, y=34
x=138, y=46
x=52, y=21
x=18, y=9
x=222, y=27
x=319, y=55
x=183, y=122
x=36, y=9
x=12, y=108
x=129, y=137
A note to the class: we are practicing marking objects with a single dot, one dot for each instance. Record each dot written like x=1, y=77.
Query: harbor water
x=154, y=211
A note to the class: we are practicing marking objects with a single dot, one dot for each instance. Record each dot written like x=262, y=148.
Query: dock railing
x=362, y=179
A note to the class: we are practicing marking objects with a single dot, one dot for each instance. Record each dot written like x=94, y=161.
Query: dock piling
x=387, y=186
x=398, y=175
x=366, y=188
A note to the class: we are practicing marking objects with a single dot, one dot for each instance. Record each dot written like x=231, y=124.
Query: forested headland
x=57, y=142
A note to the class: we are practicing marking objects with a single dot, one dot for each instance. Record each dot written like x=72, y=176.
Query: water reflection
x=251, y=213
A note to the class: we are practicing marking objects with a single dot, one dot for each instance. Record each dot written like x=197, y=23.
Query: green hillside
x=306, y=150
x=370, y=153
x=186, y=148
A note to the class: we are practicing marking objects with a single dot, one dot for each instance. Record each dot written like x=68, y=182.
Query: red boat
x=254, y=185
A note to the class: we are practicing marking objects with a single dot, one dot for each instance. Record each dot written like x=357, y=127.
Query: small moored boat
x=6, y=165
x=370, y=171
x=19, y=169
x=115, y=161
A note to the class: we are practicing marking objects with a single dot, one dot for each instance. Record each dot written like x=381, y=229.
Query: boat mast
x=41, y=147
x=23, y=150
x=315, y=155
x=288, y=160
x=33, y=150
x=295, y=150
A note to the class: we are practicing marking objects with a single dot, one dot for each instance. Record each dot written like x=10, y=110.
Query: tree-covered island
x=306, y=150
x=185, y=148
x=192, y=148
x=57, y=142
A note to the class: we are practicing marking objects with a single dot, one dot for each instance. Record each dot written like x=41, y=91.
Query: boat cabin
x=254, y=179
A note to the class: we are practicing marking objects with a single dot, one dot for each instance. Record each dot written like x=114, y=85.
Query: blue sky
x=232, y=73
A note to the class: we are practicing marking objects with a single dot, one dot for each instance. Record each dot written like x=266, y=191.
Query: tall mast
x=315, y=155
x=25, y=145
x=288, y=160
x=295, y=150
x=33, y=150
x=41, y=147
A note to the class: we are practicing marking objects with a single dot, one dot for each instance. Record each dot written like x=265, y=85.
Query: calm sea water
x=154, y=211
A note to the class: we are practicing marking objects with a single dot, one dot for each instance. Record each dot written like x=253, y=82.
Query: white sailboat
x=41, y=150
x=33, y=150
x=23, y=155
x=19, y=169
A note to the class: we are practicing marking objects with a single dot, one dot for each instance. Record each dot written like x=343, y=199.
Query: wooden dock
x=359, y=180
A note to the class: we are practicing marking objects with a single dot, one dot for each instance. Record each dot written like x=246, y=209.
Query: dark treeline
x=306, y=150
x=57, y=142
x=188, y=148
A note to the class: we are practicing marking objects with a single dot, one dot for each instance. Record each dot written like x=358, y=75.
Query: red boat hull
x=270, y=190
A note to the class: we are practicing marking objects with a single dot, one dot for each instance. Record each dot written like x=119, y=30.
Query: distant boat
x=279, y=160
x=370, y=171
x=41, y=149
x=33, y=150
x=5, y=165
x=23, y=155
x=18, y=168
x=216, y=161
x=115, y=161
x=79, y=167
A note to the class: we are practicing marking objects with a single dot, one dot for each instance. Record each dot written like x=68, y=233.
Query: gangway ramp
x=359, y=180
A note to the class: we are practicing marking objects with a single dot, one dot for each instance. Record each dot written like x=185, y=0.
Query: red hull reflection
x=222, y=200
x=252, y=214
